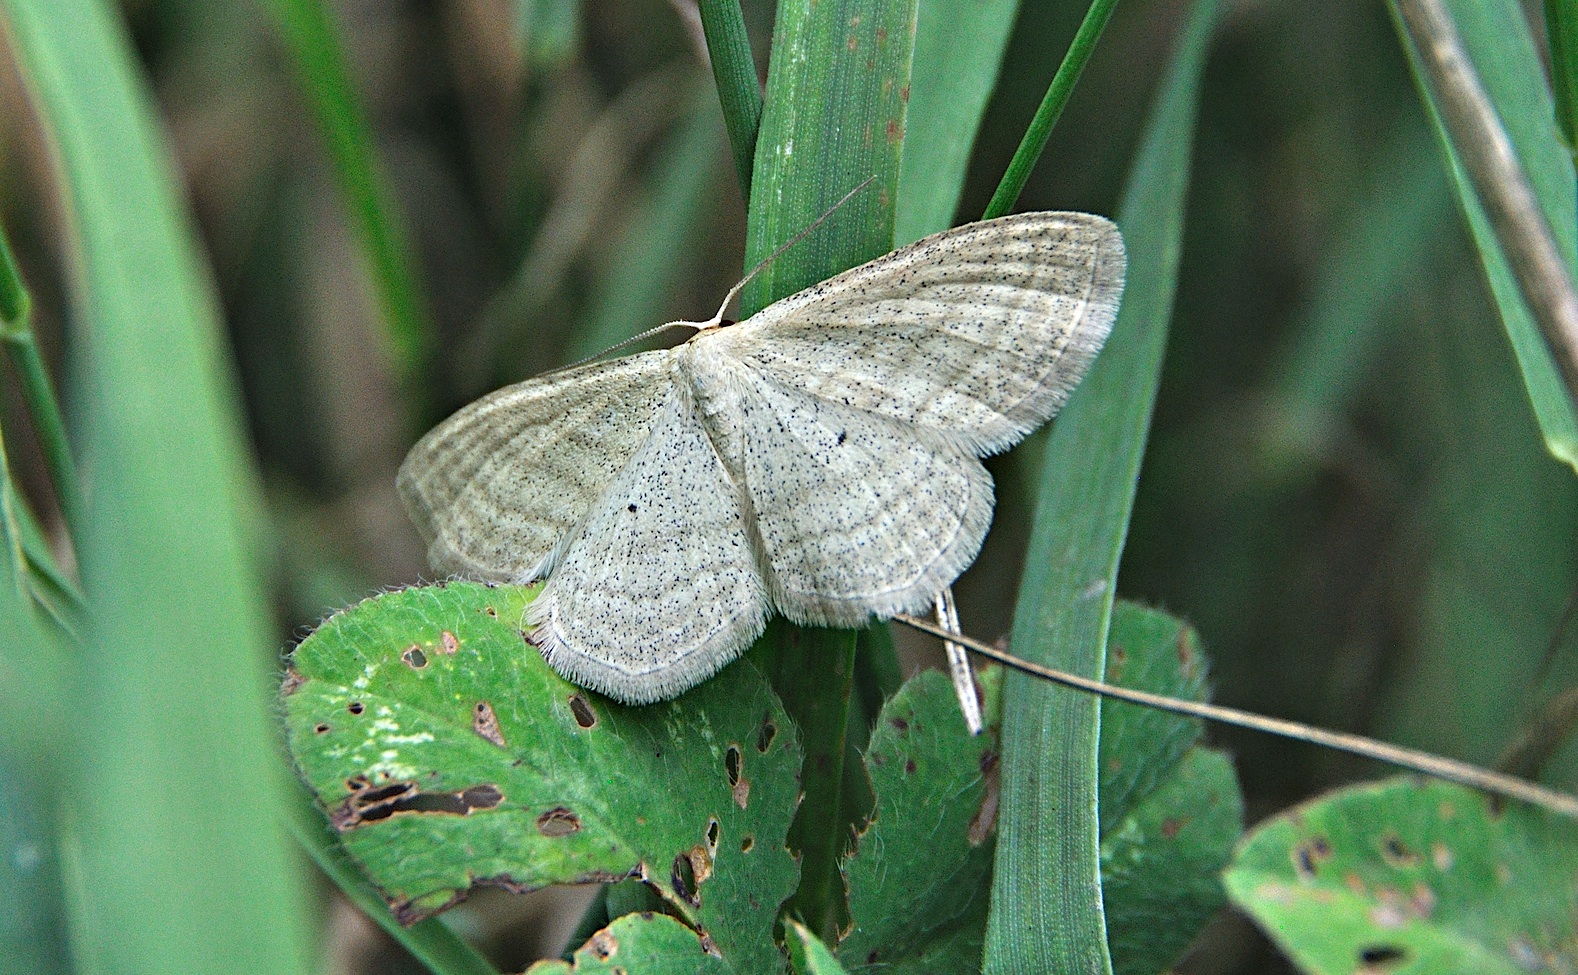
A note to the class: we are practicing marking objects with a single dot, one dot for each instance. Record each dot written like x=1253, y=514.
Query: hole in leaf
x=682, y=879
x=414, y=657
x=321, y=729
x=369, y=804
x=764, y=737
x=558, y=822
x=492, y=612
x=355, y=707
x=746, y=842
x=909, y=766
x=582, y=710
x=1381, y=957
x=603, y=945
x=712, y=834
x=731, y=762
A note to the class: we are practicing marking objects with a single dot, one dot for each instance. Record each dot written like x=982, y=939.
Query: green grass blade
x=1500, y=45
x=734, y=71
x=312, y=37
x=1046, y=897
x=16, y=327
x=958, y=51
x=833, y=119
x=179, y=864
x=1051, y=108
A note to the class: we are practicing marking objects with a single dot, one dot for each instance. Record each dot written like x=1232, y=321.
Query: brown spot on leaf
x=1309, y=855
x=486, y=724
x=292, y=682
x=899, y=725
x=742, y=792
x=904, y=93
x=1187, y=652
x=558, y=822
x=909, y=766
x=853, y=44
x=1396, y=853
x=985, y=818
x=1441, y=856
x=581, y=709
x=414, y=657
x=1172, y=826
x=603, y=945
x=893, y=131
x=447, y=643
x=368, y=803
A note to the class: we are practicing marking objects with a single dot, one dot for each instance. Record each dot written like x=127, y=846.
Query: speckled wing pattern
x=979, y=333
x=660, y=587
x=497, y=487
x=819, y=459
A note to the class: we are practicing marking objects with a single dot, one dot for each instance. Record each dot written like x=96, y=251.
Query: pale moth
x=819, y=459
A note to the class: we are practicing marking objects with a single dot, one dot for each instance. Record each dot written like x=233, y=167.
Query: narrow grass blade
x=1058, y=92
x=16, y=328
x=734, y=71
x=1561, y=30
x=179, y=864
x=958, y=50
x=1499, y=44
x=312, y=37
x=1046, y=897
x=833, y=119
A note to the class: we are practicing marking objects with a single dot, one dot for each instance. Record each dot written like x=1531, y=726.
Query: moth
x=820, y=459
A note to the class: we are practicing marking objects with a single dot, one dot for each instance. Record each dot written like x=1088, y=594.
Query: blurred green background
x=1345, y=490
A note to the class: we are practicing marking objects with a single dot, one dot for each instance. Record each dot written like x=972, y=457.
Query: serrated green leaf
x=1148, y=650
x=640, y=944
x=448, y=754
x=1412, y=878
x=919, y=871
x=808, y=955
x=1159, y=866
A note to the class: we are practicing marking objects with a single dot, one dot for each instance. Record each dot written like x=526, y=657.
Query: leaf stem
x=1408, y=758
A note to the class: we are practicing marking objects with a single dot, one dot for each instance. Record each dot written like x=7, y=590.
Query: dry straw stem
x=1409, y=758
x=1499, y=180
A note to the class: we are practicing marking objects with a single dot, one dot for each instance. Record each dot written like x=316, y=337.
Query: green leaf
x=547, y=32
x=1499, y=43
x=448, y=754
x=1406, y=878
x=808, y=955
x=1046, y=896
x=1147, y=650
x=958, y=50
x=640, y=944
x=917, y=877
x=172, y=781
x=1159, y=866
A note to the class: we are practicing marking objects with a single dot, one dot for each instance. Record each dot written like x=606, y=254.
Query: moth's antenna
x=734, y=292
x=1408, y=758
x=717, y=319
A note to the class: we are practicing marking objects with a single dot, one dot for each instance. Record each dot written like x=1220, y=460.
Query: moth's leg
x=959, y=662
